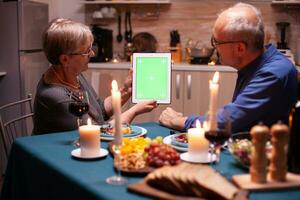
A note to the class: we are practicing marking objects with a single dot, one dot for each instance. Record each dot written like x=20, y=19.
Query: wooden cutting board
x=244, y=182
x=142, y=187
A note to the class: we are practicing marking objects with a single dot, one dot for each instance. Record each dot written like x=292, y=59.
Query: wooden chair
x=16, y=119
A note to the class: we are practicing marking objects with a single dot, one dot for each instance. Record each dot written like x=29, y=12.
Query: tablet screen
x=151, y=77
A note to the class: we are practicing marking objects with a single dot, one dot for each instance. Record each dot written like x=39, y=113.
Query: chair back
x=16, y=119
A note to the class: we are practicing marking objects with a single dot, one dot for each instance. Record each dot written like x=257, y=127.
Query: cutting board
x=244, y=182
x=142, y=187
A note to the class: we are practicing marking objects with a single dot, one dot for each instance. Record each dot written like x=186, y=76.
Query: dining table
x=42, y=167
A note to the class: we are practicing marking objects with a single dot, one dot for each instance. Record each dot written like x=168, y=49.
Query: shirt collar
x=256, y=63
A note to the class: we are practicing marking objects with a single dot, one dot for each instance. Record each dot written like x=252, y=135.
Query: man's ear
x=63, y=59
x=241, y=49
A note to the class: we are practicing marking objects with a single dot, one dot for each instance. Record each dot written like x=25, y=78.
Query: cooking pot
x=204, y=52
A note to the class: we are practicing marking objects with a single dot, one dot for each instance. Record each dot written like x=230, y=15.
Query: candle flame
x=198, y=125
x=216, y=77
x=89, y=122
x=114, y=85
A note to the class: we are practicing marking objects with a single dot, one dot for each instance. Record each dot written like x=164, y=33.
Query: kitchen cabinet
x=190, y=87
x=101, y=80
x=190, y=93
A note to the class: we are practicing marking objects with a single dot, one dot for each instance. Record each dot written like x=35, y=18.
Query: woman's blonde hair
x=64, y=36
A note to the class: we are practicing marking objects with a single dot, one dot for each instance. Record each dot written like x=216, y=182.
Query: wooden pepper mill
x=278, y=165
x=258, y=168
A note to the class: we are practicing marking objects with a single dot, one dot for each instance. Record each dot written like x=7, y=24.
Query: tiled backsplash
x=194, y=19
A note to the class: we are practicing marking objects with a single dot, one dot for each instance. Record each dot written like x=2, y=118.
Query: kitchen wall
x=72, y=9
x=194, y=19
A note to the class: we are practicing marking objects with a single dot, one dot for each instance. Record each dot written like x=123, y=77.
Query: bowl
x=240, y=146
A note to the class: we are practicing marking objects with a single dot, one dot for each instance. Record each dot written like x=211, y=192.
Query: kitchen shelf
x=286, y=3
x=130, y=2
x=2, y=74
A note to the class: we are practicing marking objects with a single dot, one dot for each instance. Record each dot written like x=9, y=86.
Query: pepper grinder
x=258, y=168
x=278, y=166
x=282, y=26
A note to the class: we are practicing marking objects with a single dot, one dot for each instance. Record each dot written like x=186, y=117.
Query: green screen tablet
x=151, y=77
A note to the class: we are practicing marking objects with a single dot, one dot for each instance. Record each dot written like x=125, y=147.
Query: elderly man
x=266, y=86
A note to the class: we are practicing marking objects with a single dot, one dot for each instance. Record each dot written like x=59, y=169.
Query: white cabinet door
x=101, y=80
x=176, y=100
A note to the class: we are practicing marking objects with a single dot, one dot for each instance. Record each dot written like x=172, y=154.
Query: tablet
x=151, y=77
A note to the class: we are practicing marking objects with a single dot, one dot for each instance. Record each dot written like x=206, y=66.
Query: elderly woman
x=67, y=46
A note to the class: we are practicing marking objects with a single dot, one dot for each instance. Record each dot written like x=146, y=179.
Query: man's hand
x=172, y=119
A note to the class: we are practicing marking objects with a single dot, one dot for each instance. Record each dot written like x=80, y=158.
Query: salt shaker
x=258, y=168
x=278, y=165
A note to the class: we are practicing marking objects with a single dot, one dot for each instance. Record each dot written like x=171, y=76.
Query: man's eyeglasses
x=215, y=43
x=89, y=52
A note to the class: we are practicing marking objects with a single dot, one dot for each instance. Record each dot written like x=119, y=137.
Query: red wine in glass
x=217, y=137
x=78, y=108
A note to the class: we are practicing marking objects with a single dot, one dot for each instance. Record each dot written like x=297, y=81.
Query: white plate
x=207, y=159
x=77, y=154
x=168, y=140
x=111, y=138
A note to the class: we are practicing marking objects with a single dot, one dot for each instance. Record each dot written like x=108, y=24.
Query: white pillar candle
x=213, y=101
x=198, y=144
x=116, y=104
x=89, y=139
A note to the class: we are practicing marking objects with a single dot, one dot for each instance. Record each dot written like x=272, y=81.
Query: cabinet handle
x=177, y=86
x=189, y=88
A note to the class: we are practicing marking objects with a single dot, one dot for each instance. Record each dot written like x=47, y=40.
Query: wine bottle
x=293, y=151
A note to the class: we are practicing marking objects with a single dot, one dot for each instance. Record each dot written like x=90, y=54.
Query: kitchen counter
x=176, y=66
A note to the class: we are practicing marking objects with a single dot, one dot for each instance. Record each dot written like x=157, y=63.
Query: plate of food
x=240, y=146
x=129, y=131
x=143, y=155
x=178, y=141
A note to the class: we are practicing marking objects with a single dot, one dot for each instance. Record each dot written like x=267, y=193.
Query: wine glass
x=78, y=106
x=117, y=179
x=218, y=136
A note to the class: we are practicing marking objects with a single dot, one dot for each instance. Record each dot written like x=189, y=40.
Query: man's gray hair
x=240, y=28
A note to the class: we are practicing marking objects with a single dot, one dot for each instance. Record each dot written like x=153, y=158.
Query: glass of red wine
x=78, y=106
x=218, y=136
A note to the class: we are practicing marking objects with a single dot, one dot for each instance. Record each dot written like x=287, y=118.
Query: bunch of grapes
x=158, y=155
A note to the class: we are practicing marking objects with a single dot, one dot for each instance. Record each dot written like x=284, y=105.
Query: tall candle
x=198, y=144
x=213, y=101
x=89, y=139
x=116, y=104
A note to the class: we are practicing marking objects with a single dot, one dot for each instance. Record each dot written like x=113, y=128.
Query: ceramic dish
x=137, y=131
x=77, y=154
x=168, y=140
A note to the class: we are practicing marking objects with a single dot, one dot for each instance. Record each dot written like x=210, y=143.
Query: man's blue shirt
x=265, y=91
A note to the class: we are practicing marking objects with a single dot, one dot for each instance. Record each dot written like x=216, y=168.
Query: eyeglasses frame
x=215, y=43
x=88, y=53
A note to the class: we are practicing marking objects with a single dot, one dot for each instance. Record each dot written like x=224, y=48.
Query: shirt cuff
x=191, y=121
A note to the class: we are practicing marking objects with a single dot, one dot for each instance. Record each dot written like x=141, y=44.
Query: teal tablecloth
x=41, y=167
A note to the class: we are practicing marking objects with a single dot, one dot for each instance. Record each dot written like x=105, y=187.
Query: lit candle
x=116, y=104
x=213, y=101
x=198, y=144
x=89, y=139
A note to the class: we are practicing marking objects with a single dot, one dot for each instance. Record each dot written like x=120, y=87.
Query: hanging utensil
x=119, y=36
x=130, y=27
